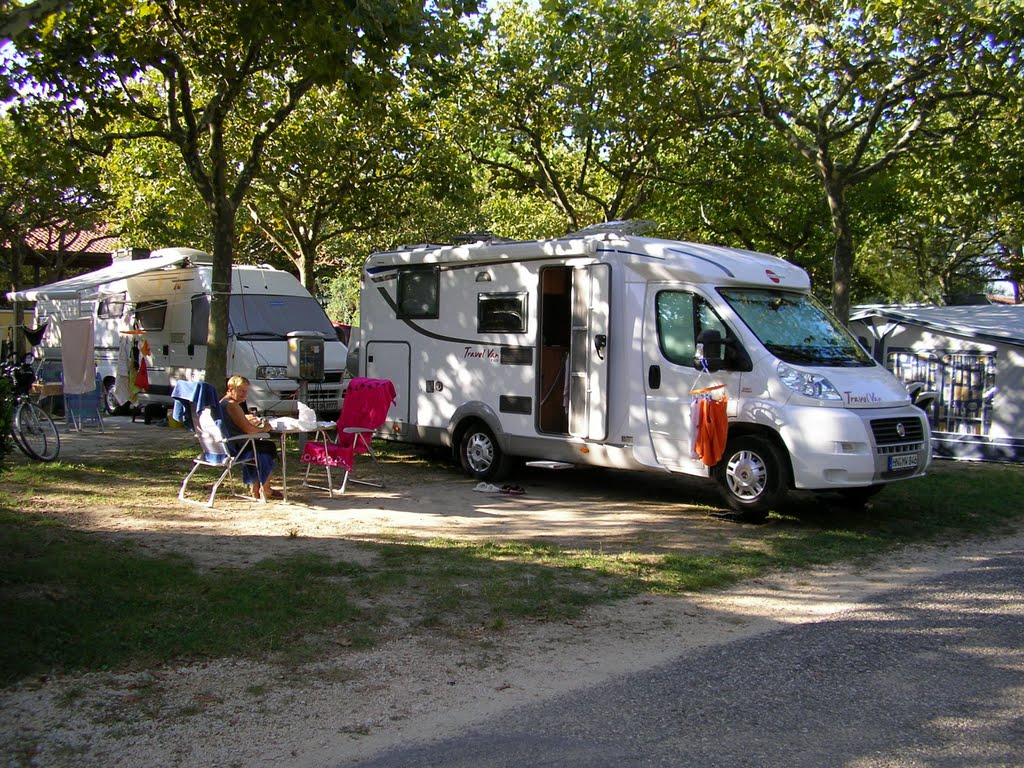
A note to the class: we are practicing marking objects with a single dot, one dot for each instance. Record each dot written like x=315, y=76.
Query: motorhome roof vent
x=194, y=255
x=624, y=227
x=480, y=237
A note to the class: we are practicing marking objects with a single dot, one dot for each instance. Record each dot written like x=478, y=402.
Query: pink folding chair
x=363, y=411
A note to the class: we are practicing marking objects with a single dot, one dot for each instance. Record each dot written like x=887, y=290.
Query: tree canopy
x=876, y=144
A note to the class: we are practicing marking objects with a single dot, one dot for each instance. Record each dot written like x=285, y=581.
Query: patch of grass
x=75, y=601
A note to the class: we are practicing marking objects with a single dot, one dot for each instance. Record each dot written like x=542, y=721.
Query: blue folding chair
x=83, y=407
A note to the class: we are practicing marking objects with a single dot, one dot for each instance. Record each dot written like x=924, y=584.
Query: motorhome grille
x=887, y=431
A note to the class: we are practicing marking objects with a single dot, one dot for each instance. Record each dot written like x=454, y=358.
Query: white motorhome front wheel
x=751, y=475
x=480, y=454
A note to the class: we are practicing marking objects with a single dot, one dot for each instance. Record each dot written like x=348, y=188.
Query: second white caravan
x=157, y=308
x=591, y=349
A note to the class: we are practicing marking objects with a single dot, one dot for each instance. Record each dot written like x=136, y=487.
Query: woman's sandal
x=270, y=493
x=512, y=490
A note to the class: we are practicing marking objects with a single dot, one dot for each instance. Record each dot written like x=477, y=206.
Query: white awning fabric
x=75, y=287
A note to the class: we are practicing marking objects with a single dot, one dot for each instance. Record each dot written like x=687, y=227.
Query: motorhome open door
x=588, y=353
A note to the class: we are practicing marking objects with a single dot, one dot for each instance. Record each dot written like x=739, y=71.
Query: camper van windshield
x=796, y=328
x=255, y=317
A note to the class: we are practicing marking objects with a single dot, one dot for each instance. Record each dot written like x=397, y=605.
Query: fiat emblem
x=901, y=430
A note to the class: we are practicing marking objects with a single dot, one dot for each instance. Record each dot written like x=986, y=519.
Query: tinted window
x=418, y=293
x=501, y=312
x=796, y=328
x=681, y=317
x=200, y=319
x=150, y=315
x=111, y=308
x=256, y=316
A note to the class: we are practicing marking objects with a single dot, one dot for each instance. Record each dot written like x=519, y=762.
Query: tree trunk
x=842, y=258
x=307, y=266
x=18, y=319
x=223, y=259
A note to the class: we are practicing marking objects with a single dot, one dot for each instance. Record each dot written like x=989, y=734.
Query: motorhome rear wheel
x=751, y=476
x=480, y=454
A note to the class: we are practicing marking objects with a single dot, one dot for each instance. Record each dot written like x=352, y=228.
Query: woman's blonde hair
x=237, y=381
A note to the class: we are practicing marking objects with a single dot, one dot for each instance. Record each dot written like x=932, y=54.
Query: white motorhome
x=164, y=301
x=588, y=349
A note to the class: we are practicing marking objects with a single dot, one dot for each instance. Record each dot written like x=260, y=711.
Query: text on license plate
x=903, y=461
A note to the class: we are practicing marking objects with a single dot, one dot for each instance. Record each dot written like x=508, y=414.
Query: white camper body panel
x=563, y=349
x=168, y=307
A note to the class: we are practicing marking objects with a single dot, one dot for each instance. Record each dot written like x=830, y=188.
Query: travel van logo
x=857, y=399
x=481, y=354
x=773, y=277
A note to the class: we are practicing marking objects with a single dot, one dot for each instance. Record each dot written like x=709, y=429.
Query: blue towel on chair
x=199, y=392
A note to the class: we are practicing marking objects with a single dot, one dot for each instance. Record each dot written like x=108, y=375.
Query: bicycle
x=32, y=429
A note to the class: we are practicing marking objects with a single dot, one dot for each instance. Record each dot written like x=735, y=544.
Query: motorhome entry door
x=390, y=360
x=588, y=352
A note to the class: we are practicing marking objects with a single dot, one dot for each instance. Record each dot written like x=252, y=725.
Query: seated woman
x=237, y=422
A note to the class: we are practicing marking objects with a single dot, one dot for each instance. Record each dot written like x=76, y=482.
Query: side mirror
x=718, y=353
x=709, y=351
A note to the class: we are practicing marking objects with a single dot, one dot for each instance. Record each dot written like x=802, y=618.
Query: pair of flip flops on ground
x=508, y=490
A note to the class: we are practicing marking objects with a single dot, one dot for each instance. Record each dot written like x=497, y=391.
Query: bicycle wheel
x=16, y=439
x=36, y=432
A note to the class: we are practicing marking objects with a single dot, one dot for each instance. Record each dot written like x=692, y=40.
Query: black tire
x=751, y=476
x=17, y=441
x=481, y=456
x=36, y=432
x=110, y=404
x=858, y=497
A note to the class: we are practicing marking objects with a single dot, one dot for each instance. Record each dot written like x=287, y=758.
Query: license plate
x=903, y=461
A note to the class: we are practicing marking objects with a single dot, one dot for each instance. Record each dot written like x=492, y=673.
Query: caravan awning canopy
x=75, y=287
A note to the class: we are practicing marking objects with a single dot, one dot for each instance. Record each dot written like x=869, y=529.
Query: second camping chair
x=363, y=411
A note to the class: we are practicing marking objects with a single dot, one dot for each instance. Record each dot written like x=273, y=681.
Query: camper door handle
x=600, y=342
x=654, y=377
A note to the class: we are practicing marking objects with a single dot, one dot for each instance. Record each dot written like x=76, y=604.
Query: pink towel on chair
x=365, y=405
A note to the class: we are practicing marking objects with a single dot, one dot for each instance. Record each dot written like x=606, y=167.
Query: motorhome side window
x=418, y=294
x=200, y=319
x=150, y=315
x=111, y=307
x=681, y=317
x=501, y=313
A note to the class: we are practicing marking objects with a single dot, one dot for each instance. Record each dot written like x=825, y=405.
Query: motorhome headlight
x=271, y=372
x=807, y=384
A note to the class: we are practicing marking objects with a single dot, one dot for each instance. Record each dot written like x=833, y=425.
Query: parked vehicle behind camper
x=591, y=349
x=163, y=302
